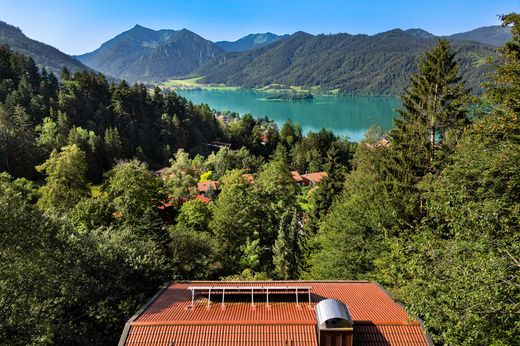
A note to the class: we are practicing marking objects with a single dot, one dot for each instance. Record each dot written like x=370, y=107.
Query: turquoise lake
x=345, y=115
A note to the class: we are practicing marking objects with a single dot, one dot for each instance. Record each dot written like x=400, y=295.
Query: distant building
x=249, y=178
x=206, y=187
x=382, y=142
x=277, y=313
x=313, y=178
x=163, y=173
x=203, y=198
x=297, y=177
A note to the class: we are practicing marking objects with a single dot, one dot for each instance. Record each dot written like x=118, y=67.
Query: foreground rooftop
x=266, y=313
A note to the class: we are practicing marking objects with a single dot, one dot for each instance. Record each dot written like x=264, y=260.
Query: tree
x=504, y=91
x=195, y=215
x=459, y=268
x=193, y=253
x=65, y=183
x=183, y=175
x=232, y=220
x=273, y=193
x=433, y=110
x=18, y=154
x=134, y=192
x=286, y=249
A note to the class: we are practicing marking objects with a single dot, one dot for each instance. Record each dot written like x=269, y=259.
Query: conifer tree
x=286, y=248
x=433, y=109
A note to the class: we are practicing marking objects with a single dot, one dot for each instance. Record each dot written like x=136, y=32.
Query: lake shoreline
x=344, y=115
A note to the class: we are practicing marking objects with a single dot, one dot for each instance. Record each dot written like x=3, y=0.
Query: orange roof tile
x=314, y=177
x=378, y=320
x=205, y=186
x=296, y=176
x=249, y=178
x=203, y=198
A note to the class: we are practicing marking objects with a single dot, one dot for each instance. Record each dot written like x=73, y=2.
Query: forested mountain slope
x=145, y=54
x=42, y=54
x=492, y=35
x=360, y=64
x=251, y=41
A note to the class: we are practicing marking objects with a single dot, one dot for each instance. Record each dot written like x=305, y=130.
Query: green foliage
x=65, y=183
x=134, y=192
x=17, y=149
x=193, y=253
x=232, y=220
x=286, y=249
x=195, y=215
x=341, y=61
x=225, y=160
x=432, y=115
x=85, y=285
x=182, y=176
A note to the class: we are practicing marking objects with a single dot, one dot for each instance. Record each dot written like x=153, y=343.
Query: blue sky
x=79, y=26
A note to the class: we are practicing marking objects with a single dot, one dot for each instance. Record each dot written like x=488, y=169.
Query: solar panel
x=253, y=289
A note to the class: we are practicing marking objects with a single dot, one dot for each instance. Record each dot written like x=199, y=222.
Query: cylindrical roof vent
x=334, y=324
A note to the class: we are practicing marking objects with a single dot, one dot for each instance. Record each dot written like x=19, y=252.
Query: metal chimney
x=334, y=325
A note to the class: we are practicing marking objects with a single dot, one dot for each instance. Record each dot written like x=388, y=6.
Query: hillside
x=419, y=33
x=251, y=41
x=360, y=64
x=145, y=54
x=42, y=54
x=492, y=35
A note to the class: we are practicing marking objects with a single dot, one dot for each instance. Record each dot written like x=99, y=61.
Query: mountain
x=42, y=54
x=145, y=54
x=419, y=33
x=250, y=41
x=492, y=35
x=360, y=64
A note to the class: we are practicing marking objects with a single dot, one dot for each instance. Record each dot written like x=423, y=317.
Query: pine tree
x=286, y=248
x=433, y=109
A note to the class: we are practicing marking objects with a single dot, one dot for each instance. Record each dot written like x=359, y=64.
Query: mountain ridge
x=43, y=54
x=360, y=64
x=251, y=41
x=141, y=54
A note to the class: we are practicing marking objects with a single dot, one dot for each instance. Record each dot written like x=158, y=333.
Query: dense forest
x=352, y=64
x=88, y=231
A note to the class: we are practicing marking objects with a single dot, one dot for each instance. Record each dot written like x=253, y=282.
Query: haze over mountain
x=250, y=41
x=360, y=64
x=492, y=35
x=145, y=54
x=42, y=54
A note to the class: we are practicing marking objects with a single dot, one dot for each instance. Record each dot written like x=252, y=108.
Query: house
x=313, y=178
x=163, y=173
x=206, y=187
x=203, y=198
x=297, y=177
x=249, y=178
x=382, y=142
x=278, y=313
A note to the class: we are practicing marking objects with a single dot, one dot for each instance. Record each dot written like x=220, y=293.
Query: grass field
x=194, y=83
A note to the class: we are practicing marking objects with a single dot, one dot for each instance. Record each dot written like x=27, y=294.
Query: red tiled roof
x=378, y=320
x=296, y=176
x=249, y=178
x=207, y=185
x=203, y=198
x=314, y=177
